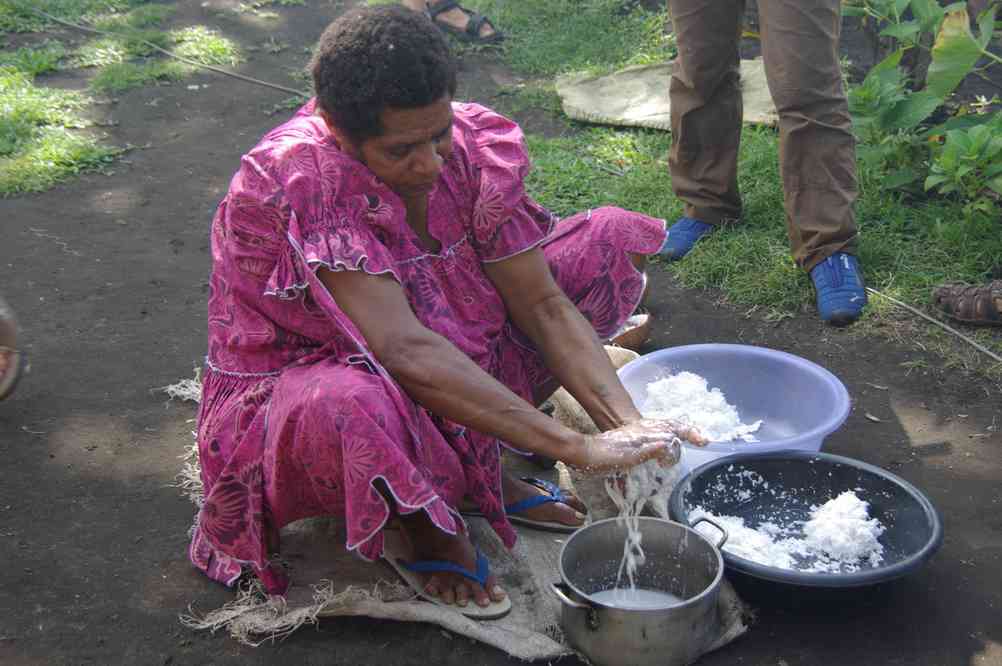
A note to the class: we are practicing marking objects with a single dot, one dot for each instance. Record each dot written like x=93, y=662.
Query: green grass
x=34, y=61
x=15, y=17
x=123, y=64
x=119, y=77
x=37, y=146
x=547, y=37
x=206, y=46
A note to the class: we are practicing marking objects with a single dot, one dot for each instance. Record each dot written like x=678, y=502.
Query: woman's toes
x=497, y=594
x=447, y=595
x=568, y=515
x=577, y=504
x=462, y=595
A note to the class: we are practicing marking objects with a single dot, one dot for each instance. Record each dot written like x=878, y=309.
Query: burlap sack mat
x=638, y=96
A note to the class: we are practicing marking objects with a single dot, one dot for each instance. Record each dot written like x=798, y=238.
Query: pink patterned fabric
x=297, y=417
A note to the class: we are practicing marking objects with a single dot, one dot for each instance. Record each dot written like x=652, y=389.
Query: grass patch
x=120, y=69
x=205, y=46
x=547, y=37
x=15, y=17
x=37, y=148
x=34, y=61
x=123, y=76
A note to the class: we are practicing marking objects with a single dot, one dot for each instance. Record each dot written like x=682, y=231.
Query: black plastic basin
x=794, y=481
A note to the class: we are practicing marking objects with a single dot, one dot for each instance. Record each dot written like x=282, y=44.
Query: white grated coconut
x=687, y=398
x=838, y=537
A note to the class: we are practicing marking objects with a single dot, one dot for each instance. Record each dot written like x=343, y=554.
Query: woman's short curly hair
x=378, y=57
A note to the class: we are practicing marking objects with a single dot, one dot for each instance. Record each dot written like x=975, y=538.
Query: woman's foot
x=571, y=513
x=428, y=542
x=635, y=332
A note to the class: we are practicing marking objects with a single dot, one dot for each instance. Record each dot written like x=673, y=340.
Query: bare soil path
x=108, y=275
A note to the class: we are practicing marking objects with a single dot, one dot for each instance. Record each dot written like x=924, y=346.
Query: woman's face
x=408, y=155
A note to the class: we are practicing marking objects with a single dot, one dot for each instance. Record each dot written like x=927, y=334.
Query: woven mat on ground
x=327, y=581
x=638, y=96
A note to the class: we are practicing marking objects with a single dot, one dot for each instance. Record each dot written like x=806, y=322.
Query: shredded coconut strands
x=687, y=398
x=839, y=537
x=645, y=484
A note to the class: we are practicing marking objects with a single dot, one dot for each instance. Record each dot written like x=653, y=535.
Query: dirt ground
x=108, y=274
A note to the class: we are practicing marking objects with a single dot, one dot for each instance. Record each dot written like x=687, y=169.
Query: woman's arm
x=439, y=376
x=567, y=342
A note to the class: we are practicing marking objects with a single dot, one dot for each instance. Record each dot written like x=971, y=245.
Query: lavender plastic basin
x=799, y=402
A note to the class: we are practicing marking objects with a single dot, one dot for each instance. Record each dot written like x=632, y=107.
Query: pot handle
x=566, y=600
x=723, y=532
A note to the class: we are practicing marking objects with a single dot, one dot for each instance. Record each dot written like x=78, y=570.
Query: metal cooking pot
x=678, y=560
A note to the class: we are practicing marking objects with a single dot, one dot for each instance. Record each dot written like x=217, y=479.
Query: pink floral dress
x=297, y=417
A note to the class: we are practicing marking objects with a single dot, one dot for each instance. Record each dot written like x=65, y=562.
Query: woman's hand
x=633, y=444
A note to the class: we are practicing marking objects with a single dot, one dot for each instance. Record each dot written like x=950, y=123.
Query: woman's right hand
x=633, y=444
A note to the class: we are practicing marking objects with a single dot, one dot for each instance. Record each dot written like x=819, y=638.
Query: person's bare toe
x=462, y=595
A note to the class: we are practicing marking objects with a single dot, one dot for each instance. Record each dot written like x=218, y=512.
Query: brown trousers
x=816, y=145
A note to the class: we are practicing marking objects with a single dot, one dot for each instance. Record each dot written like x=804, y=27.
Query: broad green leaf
x=996, y=185
x=994, y=170
x=933, y=181
x=909, y=113
x=900, y=178
x=900, y=6
x=957, y=122
x=891, y=62
x=901, y=31
x=928, y=13
x=953, y=55
x=985, y=26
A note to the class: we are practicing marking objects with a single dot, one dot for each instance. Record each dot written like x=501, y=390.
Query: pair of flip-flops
x=474, y=24
x=395, y=553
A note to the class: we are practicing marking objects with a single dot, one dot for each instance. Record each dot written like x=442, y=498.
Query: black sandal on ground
x=474, y=24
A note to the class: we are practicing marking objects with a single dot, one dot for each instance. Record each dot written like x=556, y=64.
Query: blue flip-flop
x=393, y=550
x=551, y=493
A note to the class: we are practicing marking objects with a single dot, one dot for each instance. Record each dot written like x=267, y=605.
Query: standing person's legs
x=706, y=112
x=816, y=147
x=816, y=144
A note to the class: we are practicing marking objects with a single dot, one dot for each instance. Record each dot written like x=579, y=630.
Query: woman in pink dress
x=387, y=306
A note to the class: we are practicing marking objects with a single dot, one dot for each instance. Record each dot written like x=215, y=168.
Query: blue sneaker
x=840, y=290
x=682, y=236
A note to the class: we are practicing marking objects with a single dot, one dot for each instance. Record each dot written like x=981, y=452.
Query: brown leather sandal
x=971, y=304
x=13, y=366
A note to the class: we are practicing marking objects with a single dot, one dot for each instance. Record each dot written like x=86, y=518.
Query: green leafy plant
x=890, y=117
x=968, y=166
